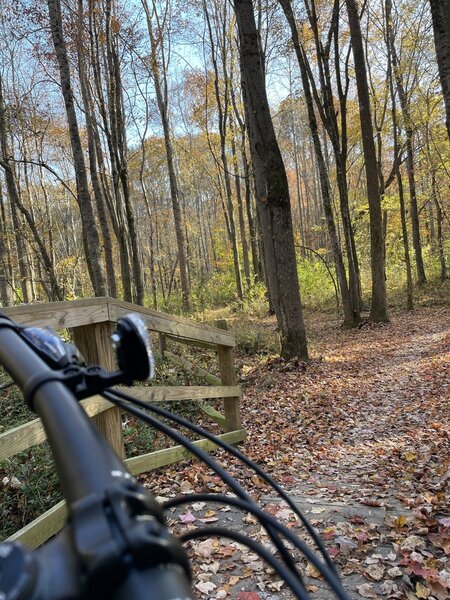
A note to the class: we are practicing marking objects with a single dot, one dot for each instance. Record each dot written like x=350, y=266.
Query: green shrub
x=316, y=285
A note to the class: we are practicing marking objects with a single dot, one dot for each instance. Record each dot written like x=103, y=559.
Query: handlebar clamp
x=123, y=529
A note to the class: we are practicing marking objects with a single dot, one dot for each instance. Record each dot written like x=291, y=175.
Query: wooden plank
x=161, y=393
x=228, y=378
x=186, y=364
x=164, y=323
x=94, y=342
x=75, y=313
x=23, y=437
x=214, y=414
x=197, y=343
x=41, y=529
x=168, y=456
x=60, y=315
x=127, y=306
x=45, y=526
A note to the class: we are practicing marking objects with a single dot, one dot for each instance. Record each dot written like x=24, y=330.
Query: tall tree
x=93, y=164
x=440, y=12
x=55, y=292
x=350, y=306
x=378, y=308
x=159, y=70
x=91, y=241
x=119, y=141
x=219, y=52
x=272, y=190
x=106, y=99
x=405, y=105
x=6, y=286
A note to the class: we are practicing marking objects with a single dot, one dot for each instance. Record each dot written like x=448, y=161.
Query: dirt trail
x=360, y=437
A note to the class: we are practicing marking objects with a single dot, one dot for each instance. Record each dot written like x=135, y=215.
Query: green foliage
x=255, y=301
x=316, y=285
x=13, y=410
x=252, y=340
x=30, y=488
x=219, y=290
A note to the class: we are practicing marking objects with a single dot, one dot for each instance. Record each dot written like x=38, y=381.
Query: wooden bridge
x=91, y=323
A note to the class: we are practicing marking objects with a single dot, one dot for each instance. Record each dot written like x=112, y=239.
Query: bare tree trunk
x=113, y=197
x=161, y=89
x=351, y=310
x=414, y=213
x=252, y=226
x=14, y=196
x=242, y=230
x=120, y=149
x=223, y=107
x=440, y=12
x=91, y=240
x=96, y=186
x=272, y=191
x=378, y=309
x=440, y=238
x=6, y=288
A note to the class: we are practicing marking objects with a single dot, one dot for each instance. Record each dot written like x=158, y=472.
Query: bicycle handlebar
x=115, y=544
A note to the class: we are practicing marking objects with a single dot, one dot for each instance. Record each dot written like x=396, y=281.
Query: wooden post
x=228, y=377
x=94, y=342
x=162, y=344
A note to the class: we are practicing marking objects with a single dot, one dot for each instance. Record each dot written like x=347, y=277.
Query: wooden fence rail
x=90, y=323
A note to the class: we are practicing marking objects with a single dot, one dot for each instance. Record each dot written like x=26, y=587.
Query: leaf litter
x=366, y=423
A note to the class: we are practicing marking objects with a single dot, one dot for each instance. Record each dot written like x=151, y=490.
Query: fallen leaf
x=394, y=572
x=412, y=542
x=401, y=521
x=187, y=517
x=311, y=571
x=204, y=549
x=366, y=591
x=421, y=590
x=205, y=587
x=374, y=572
x=410, y=456
x=275, y=586
x=371, y=502
x=186, y=487
x=388, y=587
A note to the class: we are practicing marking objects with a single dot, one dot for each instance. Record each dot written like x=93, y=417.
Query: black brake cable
x=239, y=455
x=331, y=577
x=204, y=457
x=255, y=547
x=265, y=520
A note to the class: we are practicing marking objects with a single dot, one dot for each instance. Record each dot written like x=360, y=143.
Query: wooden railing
x=90, y=323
